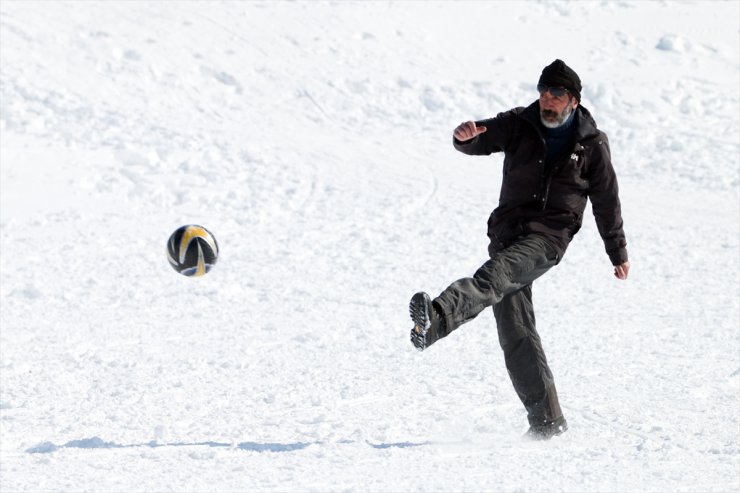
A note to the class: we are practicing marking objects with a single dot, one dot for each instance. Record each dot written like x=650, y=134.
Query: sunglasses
x=556, y=92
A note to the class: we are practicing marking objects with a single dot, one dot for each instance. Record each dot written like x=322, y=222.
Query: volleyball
x=192, y=250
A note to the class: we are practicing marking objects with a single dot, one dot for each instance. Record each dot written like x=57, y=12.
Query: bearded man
x=555, y=159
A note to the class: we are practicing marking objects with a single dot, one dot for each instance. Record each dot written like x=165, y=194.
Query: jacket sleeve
x=499, y=131
x=604, y=195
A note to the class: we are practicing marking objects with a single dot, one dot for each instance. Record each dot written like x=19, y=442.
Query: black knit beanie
x=559, y=74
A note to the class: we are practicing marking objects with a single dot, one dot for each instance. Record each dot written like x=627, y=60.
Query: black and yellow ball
x=192, y=250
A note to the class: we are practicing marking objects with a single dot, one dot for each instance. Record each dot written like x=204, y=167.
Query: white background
x=314, y=140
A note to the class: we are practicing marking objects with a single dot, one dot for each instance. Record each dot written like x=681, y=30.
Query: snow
x=314, y=140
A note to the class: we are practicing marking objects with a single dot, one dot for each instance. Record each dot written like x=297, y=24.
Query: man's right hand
x=468, y=131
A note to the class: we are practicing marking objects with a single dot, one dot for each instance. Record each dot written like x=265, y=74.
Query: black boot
x=428, y=321
x=545, y=430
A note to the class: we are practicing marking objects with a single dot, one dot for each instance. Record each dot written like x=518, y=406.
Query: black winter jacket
x=550, y=202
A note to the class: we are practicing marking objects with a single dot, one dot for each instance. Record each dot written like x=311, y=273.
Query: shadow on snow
x=98, y=443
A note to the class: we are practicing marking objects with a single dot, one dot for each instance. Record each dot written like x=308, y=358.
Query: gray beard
x=559, y=120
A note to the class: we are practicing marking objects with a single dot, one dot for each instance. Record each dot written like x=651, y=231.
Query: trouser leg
x=525, y=357
x=509, y=270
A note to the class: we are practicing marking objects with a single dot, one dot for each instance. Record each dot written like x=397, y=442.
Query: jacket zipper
x=574, y=155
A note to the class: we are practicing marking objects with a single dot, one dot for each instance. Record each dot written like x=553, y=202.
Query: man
x=555, y=160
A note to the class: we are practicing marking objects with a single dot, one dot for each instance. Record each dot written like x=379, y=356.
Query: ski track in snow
x=314, y=141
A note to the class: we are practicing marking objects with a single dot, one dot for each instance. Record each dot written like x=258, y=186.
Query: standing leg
x=504, y=282
x=525, y=358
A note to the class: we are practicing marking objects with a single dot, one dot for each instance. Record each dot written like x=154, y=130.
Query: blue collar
x=564, y=129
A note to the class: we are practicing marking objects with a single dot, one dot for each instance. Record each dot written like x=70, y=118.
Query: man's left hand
x=621, y=271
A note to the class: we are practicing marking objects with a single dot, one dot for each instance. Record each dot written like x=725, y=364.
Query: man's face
x=554, y=110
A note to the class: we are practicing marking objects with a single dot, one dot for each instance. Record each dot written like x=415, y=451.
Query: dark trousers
x=505, y=282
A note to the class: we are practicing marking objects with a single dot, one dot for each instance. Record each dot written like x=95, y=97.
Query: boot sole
x=419, y=310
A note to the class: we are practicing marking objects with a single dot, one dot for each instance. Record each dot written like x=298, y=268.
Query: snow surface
x=314, y=140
